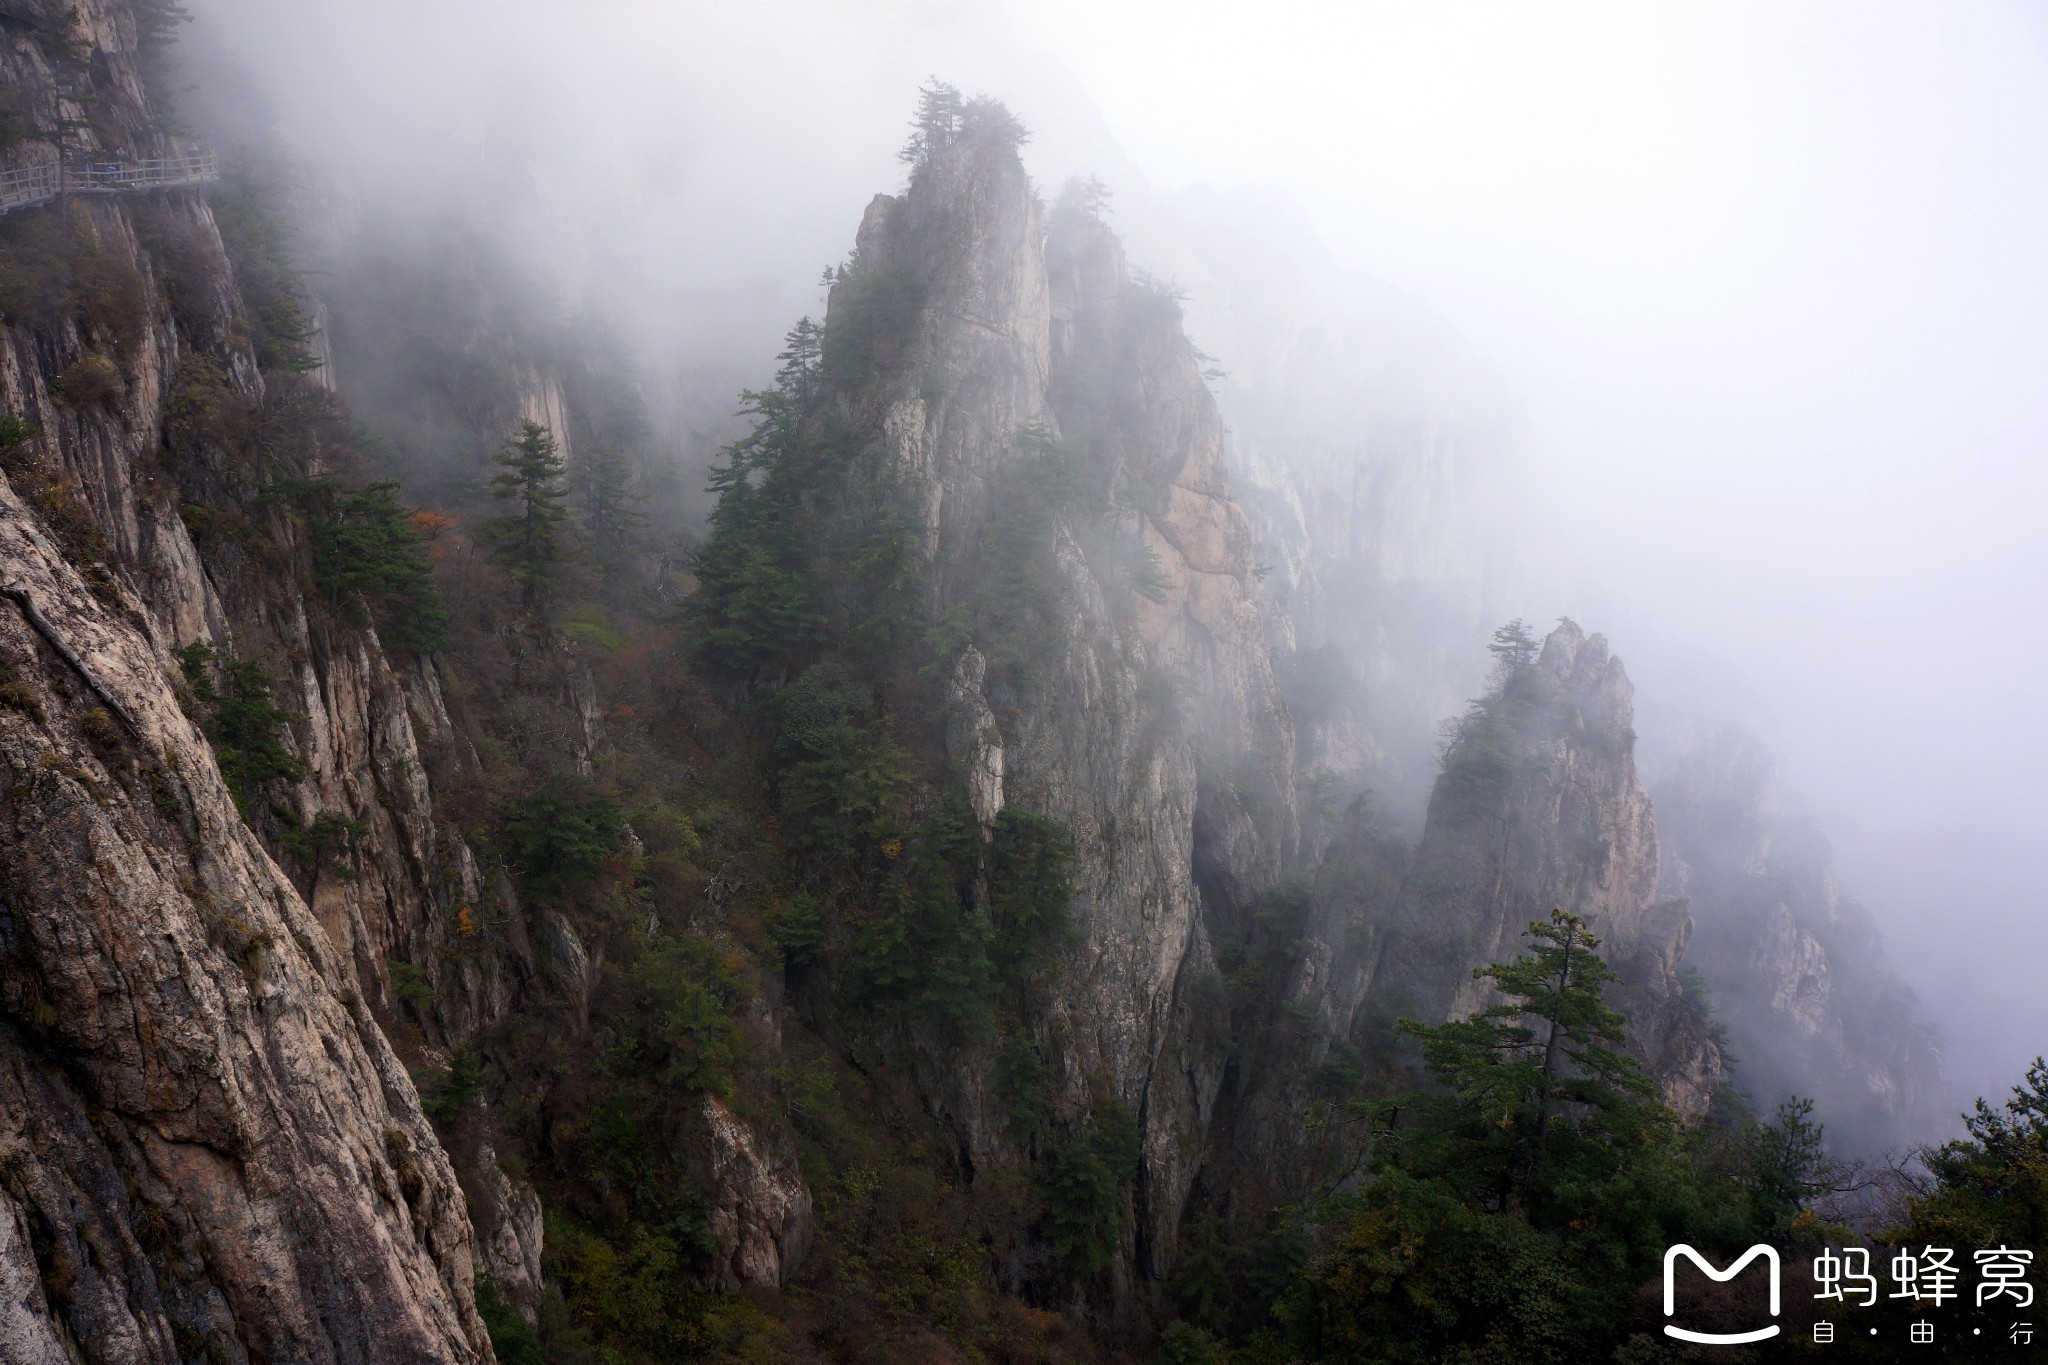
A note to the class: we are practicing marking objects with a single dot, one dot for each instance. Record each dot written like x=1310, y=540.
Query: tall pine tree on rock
x=530, y=543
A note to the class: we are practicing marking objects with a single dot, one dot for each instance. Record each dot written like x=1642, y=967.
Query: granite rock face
x=761, y=1209
x=1540, y=806
x=1371, y=452
x=207, y=1132
x=1153, y=727
x=973, y=741
x=210, y=1146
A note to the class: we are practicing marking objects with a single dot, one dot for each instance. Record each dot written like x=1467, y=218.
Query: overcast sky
x=1767, y=279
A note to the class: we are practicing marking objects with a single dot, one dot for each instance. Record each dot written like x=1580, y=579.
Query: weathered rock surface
x=1154, y=731
x=973, y=740
x=1796, y=968
x=1370, y=450
x=207, y=1132
x=209, y=1146
x=1540, y=806
x=760, y=1210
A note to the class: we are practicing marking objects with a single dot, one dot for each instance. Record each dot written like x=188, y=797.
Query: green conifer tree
x=613, y=524
x=1514, y=647
x=936, y=124
x=1506, y=1072
x=759, y=602
x=1518, y=1199
x=1991, y=1185
x=366, y=545
x=531, y=543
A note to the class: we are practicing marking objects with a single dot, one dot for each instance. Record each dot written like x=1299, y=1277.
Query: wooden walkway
x=29, y=186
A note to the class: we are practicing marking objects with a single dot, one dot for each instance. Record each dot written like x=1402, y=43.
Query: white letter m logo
x=1769, y=1254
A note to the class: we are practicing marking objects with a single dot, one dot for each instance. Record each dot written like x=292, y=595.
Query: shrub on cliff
x=241, y=717
x=560, y=836
x=258, y=243
x=1087, y=1187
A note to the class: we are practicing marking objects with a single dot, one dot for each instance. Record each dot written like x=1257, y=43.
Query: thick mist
x=1750, y=299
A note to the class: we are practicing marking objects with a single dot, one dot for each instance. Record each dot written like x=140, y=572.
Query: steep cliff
x=933, y=909
x=1795, y=967
x=1540, y=805
x=212, y=1148
x=210, y=1143
x=1144, y=717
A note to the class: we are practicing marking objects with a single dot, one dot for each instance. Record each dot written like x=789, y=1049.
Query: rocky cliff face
x=209, y=1142
x=1152, y=726
x=1795, y=967
x=1370, y=452
x=1538, y=806
x=211, y=1148
x=1181, y=798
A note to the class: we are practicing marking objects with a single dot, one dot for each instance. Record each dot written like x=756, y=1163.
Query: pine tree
x=613, y=524
x=1085, y=196
x=759, y=601
x=1507, y=1072
x=531, y=543
x=936, y=125
x=368, y=544
x=1991, y=1185
x=1518, y=1200
x=944, y=117
x=1513, y=648
x=243, y=720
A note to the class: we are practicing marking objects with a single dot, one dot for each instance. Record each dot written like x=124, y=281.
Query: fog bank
x=1765, y=286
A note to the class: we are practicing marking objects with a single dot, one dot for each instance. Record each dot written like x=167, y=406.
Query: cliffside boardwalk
x=28, y=186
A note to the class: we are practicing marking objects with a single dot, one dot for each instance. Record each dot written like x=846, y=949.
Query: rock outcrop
x=973, y=741
x=1539, y=805
x=1795, y=967
x=761, y=1209
x=1369, y=450
x=1151, y=726
x=208, y=1138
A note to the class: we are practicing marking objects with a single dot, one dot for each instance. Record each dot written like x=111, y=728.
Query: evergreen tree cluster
x=368, y=549
x=760, y=599
x=945, y=117
x=239, y=713
x=1519, y=1200
x=531, y=542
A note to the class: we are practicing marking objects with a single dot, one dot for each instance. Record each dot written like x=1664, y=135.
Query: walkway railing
x=32, y=185
x=29, y=185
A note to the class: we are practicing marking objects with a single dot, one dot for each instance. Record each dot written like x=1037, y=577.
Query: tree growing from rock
x=1514, y=648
